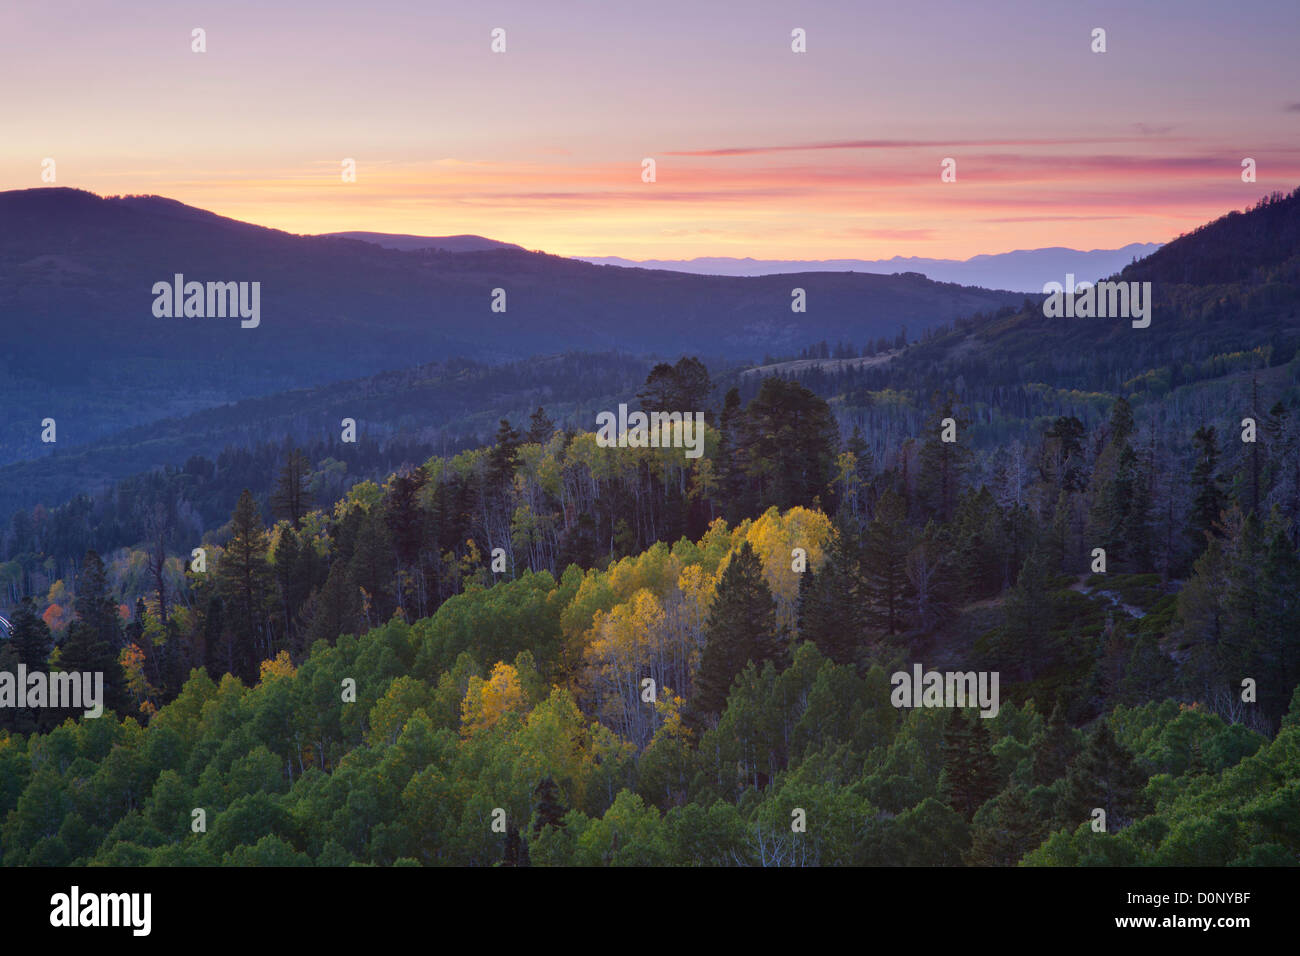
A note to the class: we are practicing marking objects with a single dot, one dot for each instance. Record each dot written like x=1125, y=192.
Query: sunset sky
x=834, y=153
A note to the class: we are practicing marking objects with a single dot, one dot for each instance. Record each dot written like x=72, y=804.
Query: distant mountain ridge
x=1024, y=270
x=403, y=243
x=80, y=342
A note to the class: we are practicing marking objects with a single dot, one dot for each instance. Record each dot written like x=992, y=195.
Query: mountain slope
x=1230, y=287
x=439, y=406
x=82, y=345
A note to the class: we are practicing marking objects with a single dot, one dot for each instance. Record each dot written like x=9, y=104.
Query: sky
x=759, y=151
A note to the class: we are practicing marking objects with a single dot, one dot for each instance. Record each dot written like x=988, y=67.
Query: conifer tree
x=370, y=572
x=95, y=605
x=732, y=459
x=548, y=808
x=833, y=604
x=790, y=439
x=502, y=458
x=93, y=640
x=1055, y=750
x=286, y=560
x=245, y=580
x=1207, y=496
x=1025, y=645
x=969, y=776
x=30, y=637
x=1150, y=672
x=1005, y=829
x=741, y=627
x=1119, y=520
x=887, y=544
x=540, y=428
x=1279, y=622
x=943, y=464
x=1062, y=459
x=1104, y=775
x=292, y=498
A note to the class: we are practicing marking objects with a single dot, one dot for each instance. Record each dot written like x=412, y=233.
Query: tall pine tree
x=741, y=627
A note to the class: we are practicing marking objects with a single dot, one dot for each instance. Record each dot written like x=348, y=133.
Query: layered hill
x=439, y=407
x=1219, y=293
x=81, y=342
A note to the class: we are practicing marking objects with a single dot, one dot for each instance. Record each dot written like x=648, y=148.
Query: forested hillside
x=450, y=666
x=403, y=415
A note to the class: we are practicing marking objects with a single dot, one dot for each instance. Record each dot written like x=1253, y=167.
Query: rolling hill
x=81, y=343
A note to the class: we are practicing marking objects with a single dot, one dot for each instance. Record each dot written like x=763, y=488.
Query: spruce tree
x=548, y=808
x=1279, y=617
x=1063, y=454
x=790, y=440
x=741, y=627
x=245, y=580
x=1104, y=775
x=884, y=565
x=286, y=560
x=94, y=604
x=1026, y=645
x=732, y=459
x=502, y=458
x=1005, y=829
x=370, y=571
x=969, y=775
x=833, y=604
x=292, y=498
x=691, y=386
x=85, y=651
x=943, y=464
x=30, y=637
x=540, y=428
x=1055, y=750
x=657, y=394
x=1207, y=496
x=1150, y=672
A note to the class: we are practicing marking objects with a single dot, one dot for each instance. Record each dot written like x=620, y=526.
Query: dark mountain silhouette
x=1241, y=246
x=1229, y=287
x=404, y=243
x=81, y=343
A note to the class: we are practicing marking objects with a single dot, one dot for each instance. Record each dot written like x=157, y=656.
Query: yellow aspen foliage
x=773, y=537
x=669, y=707
x=487, y=701
x=697, y=587
x=653, y=569
x=279, y=666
